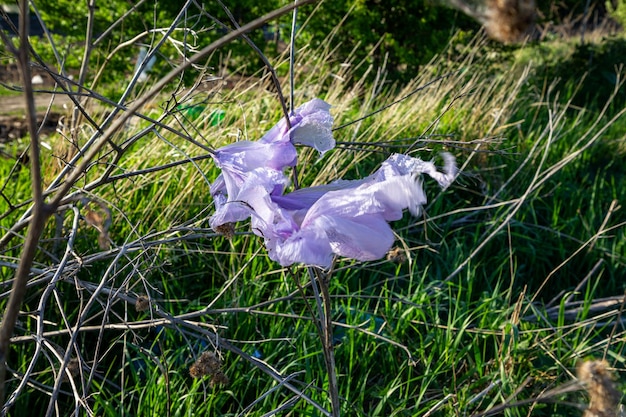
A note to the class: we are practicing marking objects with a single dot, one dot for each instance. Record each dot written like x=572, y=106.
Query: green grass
x=493, y=305
x=5, y=92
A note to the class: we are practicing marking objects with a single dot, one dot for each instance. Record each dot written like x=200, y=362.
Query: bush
x=587, y=73
x=406, y=35
x=617, y=11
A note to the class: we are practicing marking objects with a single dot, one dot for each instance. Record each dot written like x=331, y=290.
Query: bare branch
x=40, y=210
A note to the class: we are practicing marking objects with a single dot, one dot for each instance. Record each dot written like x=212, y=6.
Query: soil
x=13, y=109
x=13, y=125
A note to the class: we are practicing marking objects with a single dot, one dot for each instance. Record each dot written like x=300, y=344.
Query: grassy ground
x=513, y=276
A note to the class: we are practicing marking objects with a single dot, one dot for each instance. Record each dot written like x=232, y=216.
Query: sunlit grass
x=495, y=304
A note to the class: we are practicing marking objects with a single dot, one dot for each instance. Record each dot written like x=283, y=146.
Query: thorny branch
x=41, y=209
x=60, y=189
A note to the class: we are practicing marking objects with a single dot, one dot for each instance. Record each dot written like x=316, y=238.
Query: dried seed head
x=396, y=255
x=219, y=379
x=209, y=364
x=142, y=303
x=100, y=218
x=227, y=230
x=604, y=398
x=73, y=367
